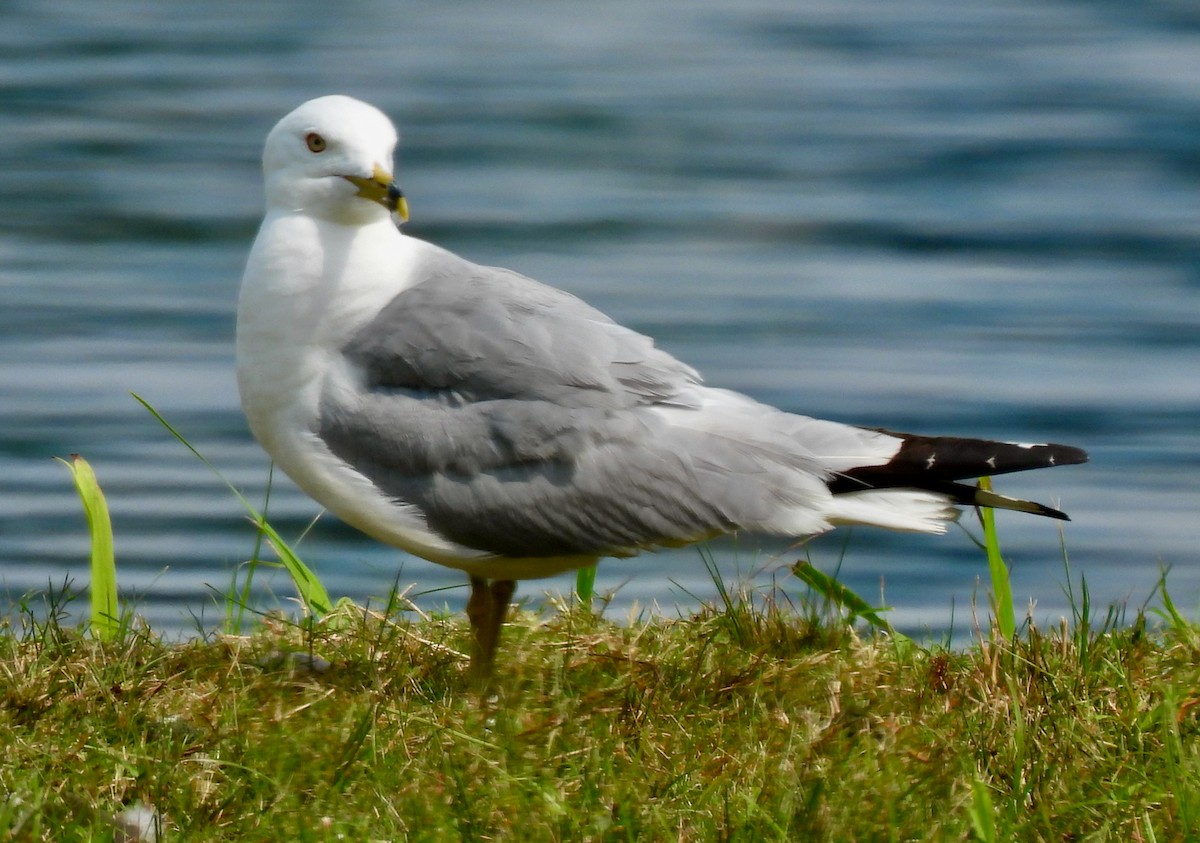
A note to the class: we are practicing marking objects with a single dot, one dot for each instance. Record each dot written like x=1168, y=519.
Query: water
x=974, y=218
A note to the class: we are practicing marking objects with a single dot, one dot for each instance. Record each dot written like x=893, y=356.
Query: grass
x=754, y=720
x=103, y=582
x=764, y=717
x=1005, y=615
x=309, y=587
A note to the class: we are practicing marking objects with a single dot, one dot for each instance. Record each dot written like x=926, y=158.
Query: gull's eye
x=315, y=142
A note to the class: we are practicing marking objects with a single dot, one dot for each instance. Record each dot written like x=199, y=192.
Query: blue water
x=965, y=217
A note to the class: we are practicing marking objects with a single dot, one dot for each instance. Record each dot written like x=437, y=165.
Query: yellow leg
x=486, y=609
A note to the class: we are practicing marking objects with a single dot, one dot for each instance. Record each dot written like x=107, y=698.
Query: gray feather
x=490, y=333
x=522, y=422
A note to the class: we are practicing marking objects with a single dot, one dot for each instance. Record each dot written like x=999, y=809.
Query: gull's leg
x=486, y=609
x=502, y=595
x=479, y=610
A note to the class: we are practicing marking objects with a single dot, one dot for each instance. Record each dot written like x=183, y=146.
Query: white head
x=332, y=158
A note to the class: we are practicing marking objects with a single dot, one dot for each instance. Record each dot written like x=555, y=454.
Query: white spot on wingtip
x=991, y=461
x=929, y=462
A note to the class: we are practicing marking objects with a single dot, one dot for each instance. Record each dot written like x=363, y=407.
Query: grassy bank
x=756, y=720
x=742, y=723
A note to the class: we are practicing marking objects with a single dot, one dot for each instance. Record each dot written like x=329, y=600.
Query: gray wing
x=522, y=422
x=485, y=333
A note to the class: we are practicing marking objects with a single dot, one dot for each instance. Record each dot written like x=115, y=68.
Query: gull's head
x=331, y=158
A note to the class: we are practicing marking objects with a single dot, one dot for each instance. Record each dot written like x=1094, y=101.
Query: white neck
x=309, y=286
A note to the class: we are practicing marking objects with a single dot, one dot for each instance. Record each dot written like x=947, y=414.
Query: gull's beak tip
x=396, y=202
x=379, y=187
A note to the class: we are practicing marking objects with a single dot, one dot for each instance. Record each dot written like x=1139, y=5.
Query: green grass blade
x=982, y=812
x=733, y=616
x=1147, y=828
x=841, y=595
x=1006, y=618
x=585, y=585
x=1169, y=612
x=308, y=585
x=106, y=621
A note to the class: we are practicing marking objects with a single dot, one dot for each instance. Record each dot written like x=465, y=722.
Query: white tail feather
x=913, y=510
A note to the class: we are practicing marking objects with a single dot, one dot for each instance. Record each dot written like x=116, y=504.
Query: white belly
x=293, y=319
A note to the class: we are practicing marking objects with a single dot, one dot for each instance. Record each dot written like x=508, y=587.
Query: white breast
x=309, y=286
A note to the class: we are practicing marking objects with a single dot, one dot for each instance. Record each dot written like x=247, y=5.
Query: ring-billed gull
x=484, y=421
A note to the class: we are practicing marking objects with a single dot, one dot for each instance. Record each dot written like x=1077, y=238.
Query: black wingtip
x=923, y=459
x=978, y=496
x=1064, y=454
x=939, y=463
x=1051, y=512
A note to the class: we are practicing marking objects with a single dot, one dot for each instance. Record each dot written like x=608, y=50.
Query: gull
x=481, y=420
